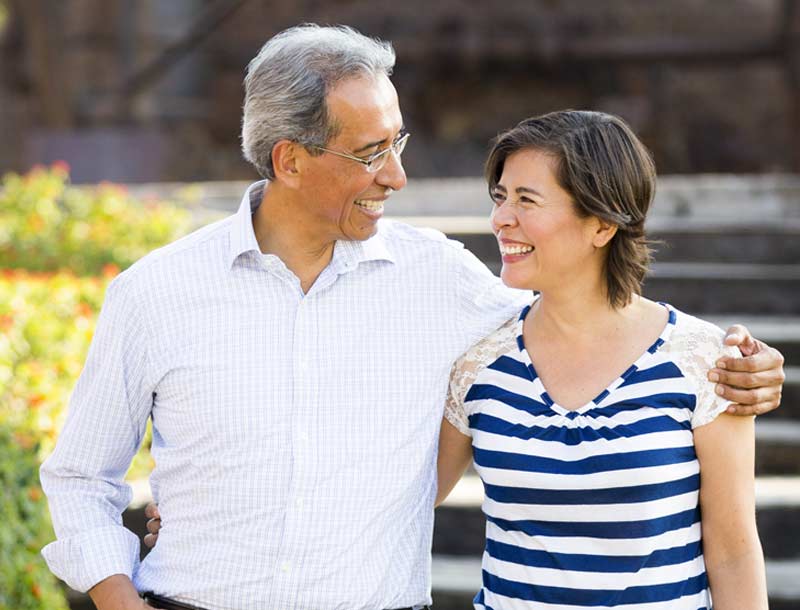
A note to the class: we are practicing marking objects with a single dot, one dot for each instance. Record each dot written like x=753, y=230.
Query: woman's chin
x=516, y=280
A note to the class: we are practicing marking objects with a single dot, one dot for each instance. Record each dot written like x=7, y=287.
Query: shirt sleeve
x=83, y=478
x=706, y=347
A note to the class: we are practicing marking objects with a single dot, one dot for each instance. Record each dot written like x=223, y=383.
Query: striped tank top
x=596, y=507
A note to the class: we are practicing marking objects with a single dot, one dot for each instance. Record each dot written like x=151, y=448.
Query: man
x=294, y=360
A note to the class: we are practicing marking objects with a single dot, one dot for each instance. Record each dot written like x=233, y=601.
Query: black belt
x=165, y=603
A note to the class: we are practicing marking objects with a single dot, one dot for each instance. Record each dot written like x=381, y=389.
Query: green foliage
x=59, y=248
x=25, y=581
x=45, y=224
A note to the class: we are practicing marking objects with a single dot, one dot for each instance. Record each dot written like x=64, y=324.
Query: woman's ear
x=603, y=233
x=286, y=162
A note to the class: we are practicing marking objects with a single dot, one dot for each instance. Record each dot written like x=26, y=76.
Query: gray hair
x=288, y=81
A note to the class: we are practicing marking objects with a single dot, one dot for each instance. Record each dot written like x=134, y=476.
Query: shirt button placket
x=303, y=410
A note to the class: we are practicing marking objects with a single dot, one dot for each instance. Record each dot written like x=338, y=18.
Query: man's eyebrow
x=379, y=142
x=370, y=145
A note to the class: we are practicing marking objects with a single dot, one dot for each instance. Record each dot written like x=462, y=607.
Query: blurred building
x=143, y=90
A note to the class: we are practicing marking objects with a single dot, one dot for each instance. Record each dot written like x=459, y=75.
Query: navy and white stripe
x=595, y=507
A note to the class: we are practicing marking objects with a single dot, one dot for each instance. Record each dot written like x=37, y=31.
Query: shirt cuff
x=84, y=560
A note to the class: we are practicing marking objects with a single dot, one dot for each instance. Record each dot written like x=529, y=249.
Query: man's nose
x=392, y=174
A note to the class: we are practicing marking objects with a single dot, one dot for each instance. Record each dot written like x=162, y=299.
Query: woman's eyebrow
x=525, y=189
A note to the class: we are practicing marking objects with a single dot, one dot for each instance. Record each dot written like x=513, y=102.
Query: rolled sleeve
x=85, y=559
x=83, y=478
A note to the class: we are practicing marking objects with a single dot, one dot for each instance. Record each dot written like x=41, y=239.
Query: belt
x=165, y=603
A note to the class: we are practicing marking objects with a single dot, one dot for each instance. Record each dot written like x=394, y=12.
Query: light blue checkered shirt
x=294, y=435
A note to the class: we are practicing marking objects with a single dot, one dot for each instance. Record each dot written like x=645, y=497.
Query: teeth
x=515, y=249
x=372, y=206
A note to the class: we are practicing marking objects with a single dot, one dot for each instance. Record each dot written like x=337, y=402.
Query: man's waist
x=166, y=603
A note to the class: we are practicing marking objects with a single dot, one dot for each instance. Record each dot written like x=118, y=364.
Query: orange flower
x=110, y=270
x=35, y=401
x=35, y=494
x=36, y=590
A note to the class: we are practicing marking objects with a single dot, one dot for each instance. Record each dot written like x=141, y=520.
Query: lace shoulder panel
x=466, y=369
x=696, y=345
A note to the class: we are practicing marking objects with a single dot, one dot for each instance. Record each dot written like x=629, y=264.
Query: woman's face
x=543, y=242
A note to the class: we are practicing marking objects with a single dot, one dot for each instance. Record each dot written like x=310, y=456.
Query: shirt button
x=299, y=502
x=285, y=566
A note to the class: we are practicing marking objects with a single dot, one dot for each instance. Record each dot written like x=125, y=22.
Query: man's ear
x=286, y=162
x=603, y=233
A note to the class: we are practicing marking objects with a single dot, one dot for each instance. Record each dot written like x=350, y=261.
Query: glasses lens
x=381, y=158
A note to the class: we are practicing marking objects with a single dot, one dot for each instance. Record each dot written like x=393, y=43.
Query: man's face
x=345, y=200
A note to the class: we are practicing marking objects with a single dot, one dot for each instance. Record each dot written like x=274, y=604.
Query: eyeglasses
x=374, y=163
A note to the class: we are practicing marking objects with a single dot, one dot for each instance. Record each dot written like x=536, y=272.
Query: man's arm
x=754, y=382
x=116, y=593
x=83, y=478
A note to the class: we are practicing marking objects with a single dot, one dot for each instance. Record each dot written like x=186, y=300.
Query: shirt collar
x=243, y=237
x=346, y=254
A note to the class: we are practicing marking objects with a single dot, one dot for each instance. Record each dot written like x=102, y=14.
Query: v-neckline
x=637, y=364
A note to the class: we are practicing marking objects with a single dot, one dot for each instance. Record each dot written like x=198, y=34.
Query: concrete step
x=723, y=199
x=456, y=579
x=770, y=242
x=778, y=447
x=718, y=288
x=780, y=332
x=790, y=399
x=460, y=525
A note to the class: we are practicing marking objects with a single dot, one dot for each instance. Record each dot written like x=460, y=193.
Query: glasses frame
x=369, y=164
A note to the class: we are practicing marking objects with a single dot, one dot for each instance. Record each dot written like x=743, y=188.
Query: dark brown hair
x=608, y=173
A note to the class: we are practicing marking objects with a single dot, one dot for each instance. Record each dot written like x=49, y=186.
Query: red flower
x=60, y=167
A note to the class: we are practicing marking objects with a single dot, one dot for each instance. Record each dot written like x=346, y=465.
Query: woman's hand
x=153, y=524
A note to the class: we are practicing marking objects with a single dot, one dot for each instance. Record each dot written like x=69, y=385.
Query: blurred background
x=119, y=132
x=150, y=90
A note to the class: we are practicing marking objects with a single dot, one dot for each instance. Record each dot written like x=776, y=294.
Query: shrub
x=59, y=247
x=46, y=224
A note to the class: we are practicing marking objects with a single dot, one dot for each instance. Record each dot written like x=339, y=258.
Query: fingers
x=150, y=540
x=739, y=336
x=153, y=525
x=749, y=397
x=756, y=409
x=763, y=369
x=151, y=511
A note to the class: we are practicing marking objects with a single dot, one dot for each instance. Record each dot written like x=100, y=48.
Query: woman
x=589, y=417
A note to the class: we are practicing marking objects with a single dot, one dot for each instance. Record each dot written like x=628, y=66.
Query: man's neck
x=280, y=230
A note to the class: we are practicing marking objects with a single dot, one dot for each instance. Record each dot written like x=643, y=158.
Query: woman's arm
x=455, y=453
x=734, y=560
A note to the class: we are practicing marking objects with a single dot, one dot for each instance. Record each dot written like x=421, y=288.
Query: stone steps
x=768, y=242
